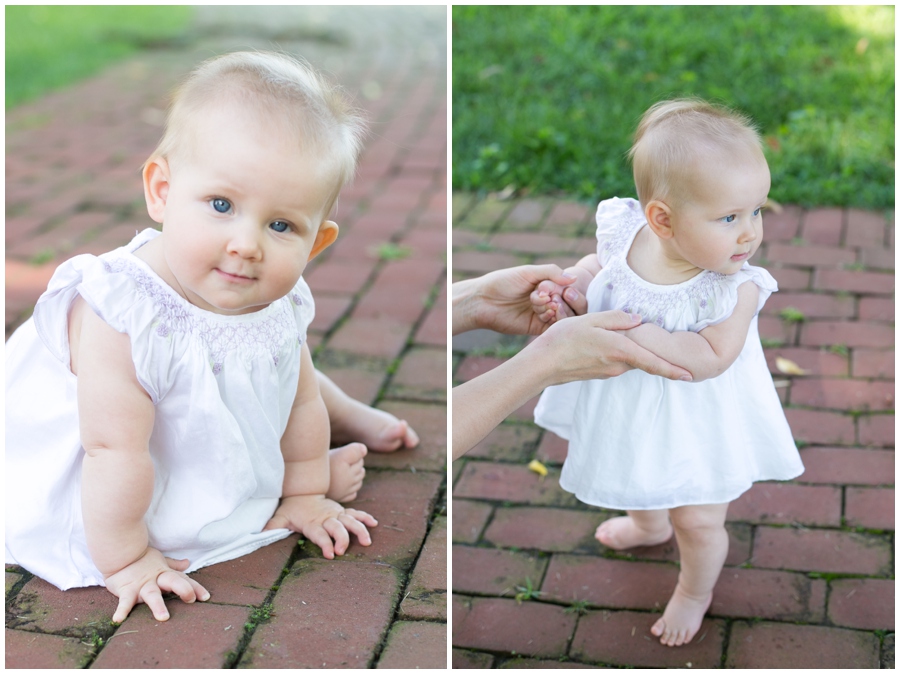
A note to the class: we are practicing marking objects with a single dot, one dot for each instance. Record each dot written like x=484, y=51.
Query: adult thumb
x=616, y=320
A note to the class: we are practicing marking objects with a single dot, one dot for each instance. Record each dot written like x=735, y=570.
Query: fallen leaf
x=788, y=366
x=538, y=468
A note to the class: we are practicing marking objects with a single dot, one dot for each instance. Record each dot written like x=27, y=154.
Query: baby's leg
x=640, y=527
x=703, y=542
x=353, y=421
x=347, y=472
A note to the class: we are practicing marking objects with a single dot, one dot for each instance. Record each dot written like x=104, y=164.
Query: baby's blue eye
x=221, y=205
x=729, y=218
x=756, y=212
x=280, y=226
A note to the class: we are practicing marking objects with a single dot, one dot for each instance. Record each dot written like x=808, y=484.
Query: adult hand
x=500, y=300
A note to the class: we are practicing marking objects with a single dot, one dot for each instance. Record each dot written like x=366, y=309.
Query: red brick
x=553, y=449
x=777, y=331
x=812, y=305
x=821, y=550
x=809, y=256
x=474, y=366
x=876, y=430
x=485, y=214
x=329, y=310
x=568, y=212
x=822, y=428
x=339, y=276
x=318, y=621
x=772, y=595
x=536, y=243
x=843, y=394
x=785, y=503
x=529, y=628
x=791, y=279
x=247, y=580
x=41, y=607
x=623, y=638
x=471, y=660
x=144, y=643
x=384, y=336
x=782, y=226
x=873, y=364
x=32, y=650
x=507, y=442
x=851, y=334
x=469, y=519
x=415, y=645
x=823, y=226
x=863, y=282
x=786, y=646
x=517, y=484
x=609, y=583
x=871, y=508
x=25, y=283
x=531, y=663
x=836, y=465
x=816, y=362
x=433, y=330
x=422, y=375
x=426, y=590
x=547, y=529
x=863, y=603
x=865, y=229
x=525, y=214
x=356, y=382
x=877, y=258
x=482, y=263
x=876, y=309
x=494, y=572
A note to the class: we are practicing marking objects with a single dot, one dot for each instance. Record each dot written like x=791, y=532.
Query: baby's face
x=719, y=226
x=244, y=212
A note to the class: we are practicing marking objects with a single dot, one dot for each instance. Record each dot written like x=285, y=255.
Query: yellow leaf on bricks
x=538, y=468
x=788, y=366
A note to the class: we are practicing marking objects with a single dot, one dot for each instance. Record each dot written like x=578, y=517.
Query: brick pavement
x=809, y=579
x=73, y=186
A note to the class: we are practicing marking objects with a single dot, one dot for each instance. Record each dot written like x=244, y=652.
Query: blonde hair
x=673, y=135
x=319, y=112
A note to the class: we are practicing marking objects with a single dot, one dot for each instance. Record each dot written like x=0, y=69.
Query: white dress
x=642, y=442
x=222, y=386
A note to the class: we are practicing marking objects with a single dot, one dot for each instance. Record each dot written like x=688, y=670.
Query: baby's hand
x=144, y=581
x=322, y=521
x=547, y=302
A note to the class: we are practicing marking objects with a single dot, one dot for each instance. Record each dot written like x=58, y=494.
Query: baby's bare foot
x=621, y=533
x=377, y=429
x=682, y=618
x=347, y=472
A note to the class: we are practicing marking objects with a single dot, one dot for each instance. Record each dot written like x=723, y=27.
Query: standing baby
x=673, y=454
x=163, y=412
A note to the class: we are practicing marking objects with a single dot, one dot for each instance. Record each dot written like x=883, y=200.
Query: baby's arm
x=303, y=506
x=549, y=299
x=116, y=418
x=708, y=353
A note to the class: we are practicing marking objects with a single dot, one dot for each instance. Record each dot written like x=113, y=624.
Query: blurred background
x=546, y=99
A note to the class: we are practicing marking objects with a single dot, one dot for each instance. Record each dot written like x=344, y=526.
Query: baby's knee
x=699, y=520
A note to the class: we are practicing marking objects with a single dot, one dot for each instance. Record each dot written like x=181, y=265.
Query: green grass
x=48, y=47
x=546, y=98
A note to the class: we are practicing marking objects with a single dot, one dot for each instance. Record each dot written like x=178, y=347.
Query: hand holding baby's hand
x=322, y=521
x=547, y=302
x=144, y=581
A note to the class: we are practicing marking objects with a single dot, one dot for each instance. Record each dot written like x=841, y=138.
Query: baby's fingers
x=187, y=589
x=126, y=603
x=357, y=528
x=317, y=534
x=152, y=597
x=338, y=532
x=363, y=517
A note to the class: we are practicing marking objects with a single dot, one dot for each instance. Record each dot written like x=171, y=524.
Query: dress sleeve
x=616, y=221
x=304, y=307
x=719, y=304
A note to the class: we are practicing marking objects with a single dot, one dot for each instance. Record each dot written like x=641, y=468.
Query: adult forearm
x=116, y=490
x=464, y=304
x=482, y=403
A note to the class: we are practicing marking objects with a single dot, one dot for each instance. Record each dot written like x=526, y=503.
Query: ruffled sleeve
x=722, y=299
x=304, y=307
x=52, y=308
x=617, y=220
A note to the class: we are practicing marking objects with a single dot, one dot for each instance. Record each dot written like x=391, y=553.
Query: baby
x=674, y=454
x=163, y=413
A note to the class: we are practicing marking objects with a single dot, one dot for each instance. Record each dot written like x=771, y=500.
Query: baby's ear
x=659, y=218
x=156, y=187
x=326, y=235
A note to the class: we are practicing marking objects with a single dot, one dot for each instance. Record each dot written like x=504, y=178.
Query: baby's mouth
x=234, y=277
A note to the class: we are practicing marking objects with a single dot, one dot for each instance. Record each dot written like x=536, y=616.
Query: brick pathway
x=809, y=577
x=73, y=186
